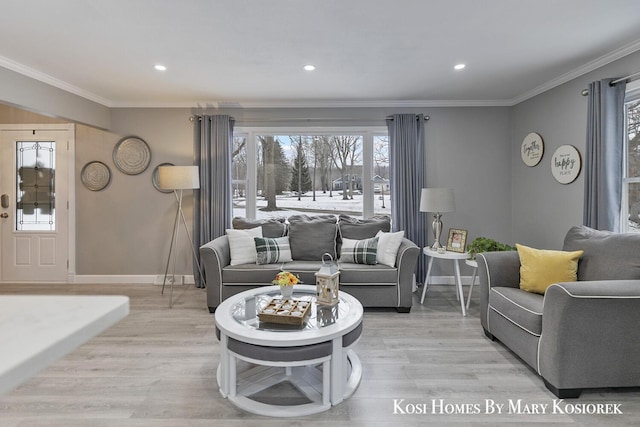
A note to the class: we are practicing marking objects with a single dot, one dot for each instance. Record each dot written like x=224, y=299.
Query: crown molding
x=317, y=104
x=577, y=72
x=51, y=81
x=610, y=57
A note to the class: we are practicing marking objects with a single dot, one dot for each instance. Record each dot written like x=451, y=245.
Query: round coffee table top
x=237, y=318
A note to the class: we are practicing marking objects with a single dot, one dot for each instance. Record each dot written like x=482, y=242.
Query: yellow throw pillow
x=541, y=268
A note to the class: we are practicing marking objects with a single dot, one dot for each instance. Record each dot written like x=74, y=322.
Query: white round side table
x=455, y=257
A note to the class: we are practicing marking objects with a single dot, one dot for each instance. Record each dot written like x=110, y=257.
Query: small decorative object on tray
x=287, y=311
x=286, y=280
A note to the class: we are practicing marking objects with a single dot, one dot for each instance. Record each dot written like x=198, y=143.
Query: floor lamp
x=437, y=200
x=178, y=178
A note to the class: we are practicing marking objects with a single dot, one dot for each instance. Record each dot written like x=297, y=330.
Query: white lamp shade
x=437, y=200
x=178, y=177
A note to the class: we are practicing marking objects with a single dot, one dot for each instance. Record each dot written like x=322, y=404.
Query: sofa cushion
x=541, y=268
x=358, y=229
x=249, y=274
x=271, y=227
x=242, y=245
x=388, y=245
x=271, y=251
x=524, y=309
x=312, y=236
x=607, y=255
x=359, y=251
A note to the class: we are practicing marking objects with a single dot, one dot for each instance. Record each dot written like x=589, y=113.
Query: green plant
x=485, y=244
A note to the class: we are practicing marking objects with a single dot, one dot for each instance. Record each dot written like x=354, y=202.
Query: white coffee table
x=329, y=371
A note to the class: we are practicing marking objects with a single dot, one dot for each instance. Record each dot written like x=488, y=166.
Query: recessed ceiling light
x=160, y=67
x=459, y=66
x=309, y=67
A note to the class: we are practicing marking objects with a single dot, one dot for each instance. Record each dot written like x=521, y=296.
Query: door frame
x=71, y=189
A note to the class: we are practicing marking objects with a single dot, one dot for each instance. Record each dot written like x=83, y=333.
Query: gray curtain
x=213, y=139
x=407, y=172
x=603, y=169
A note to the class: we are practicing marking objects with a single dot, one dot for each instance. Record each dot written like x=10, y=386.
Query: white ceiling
x=367, y=52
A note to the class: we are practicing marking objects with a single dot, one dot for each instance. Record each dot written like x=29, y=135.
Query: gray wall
x=125, y=228
x=543, y=209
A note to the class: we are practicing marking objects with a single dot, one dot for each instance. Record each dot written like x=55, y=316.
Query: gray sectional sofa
x=310, y=237
x=578, y=335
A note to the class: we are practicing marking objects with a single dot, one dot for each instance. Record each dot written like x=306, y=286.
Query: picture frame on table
x=457, y=240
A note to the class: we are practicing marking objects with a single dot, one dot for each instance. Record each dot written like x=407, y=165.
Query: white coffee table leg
x=337, y=394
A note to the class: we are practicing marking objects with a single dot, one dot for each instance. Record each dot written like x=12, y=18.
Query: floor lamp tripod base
x=172, y=247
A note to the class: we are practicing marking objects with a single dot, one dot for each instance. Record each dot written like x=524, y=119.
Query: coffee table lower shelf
x=312, y=381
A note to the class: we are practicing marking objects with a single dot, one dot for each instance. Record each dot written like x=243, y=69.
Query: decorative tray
x=286, y=311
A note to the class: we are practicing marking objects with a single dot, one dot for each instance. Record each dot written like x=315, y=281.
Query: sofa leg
x=563, y=393
x=489, y=334
x=212, y=309
x=403, y=309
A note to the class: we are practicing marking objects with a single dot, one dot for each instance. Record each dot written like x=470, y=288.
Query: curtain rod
x=307, y=119
x=628, y=79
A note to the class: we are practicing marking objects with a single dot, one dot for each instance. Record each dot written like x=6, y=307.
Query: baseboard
x=450, y=280
x=186, y=279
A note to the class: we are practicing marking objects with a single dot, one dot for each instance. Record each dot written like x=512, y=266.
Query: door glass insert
x=35, y=186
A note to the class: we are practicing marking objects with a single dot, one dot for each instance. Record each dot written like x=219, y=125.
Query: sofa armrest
x=590, y=336
x=406, y=261
x=496, y=269
x=215, y=255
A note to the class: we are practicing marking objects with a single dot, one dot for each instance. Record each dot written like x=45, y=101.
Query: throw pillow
x=272, y=251
x=242, y=246
x=541, y=268
x=354, y=228
x=271, y=227
x=359, y=251
x=388, y=245
x=312, y=236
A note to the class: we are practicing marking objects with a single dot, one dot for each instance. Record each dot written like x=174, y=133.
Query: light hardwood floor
x=157, y=368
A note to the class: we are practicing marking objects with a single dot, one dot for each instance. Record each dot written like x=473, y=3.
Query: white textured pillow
x=242, y=246
x=388, y=245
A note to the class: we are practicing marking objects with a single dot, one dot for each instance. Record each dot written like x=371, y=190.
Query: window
x=288, y=172
x=631, y=180
x=35, y=189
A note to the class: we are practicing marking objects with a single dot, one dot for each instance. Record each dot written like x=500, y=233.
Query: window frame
x=632, y=93
x=368, y=134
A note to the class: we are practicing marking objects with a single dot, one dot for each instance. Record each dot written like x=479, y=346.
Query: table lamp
x=178, y=178
x=437, y=200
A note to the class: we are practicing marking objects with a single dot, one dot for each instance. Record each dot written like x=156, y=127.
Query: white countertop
x=36, y=330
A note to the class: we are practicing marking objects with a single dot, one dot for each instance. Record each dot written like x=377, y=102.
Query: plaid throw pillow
x=359, y=251
x=272, y=251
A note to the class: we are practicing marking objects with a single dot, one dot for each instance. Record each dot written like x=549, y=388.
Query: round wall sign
x=566, y=164
x=532, y=149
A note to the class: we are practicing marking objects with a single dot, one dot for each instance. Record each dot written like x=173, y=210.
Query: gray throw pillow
x=311, y=236
x=607, y=255
x=271, y=227
x=358, y=229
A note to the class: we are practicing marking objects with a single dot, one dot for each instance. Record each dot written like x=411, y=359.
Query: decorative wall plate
x=95, y=175
x=566, y=164
x=132, y=155
x=532, y=149
x=154, y=178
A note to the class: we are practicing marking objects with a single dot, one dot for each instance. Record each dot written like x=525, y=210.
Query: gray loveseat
x=310, y=237
x=583, y=334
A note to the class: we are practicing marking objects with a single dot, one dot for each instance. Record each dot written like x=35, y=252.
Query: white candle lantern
x=328, y=282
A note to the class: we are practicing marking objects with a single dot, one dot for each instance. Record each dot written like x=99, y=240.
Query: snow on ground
x=323, y=204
